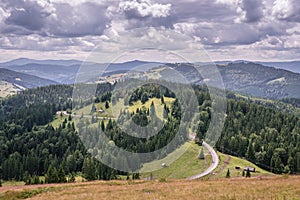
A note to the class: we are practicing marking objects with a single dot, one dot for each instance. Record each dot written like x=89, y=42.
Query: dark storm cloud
x=53, y=25
x=205, y=10
x=63, y=20
x=253, y=10
x=28, y=16
x=235, y=34
x=84, y=19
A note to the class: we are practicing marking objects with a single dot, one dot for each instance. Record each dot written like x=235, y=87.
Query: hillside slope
x=258, y=80
x=244, y=77
x=23, y=80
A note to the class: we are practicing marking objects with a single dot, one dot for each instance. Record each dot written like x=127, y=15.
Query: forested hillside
x=31, y=147
x=263, y=135
x=24, y=80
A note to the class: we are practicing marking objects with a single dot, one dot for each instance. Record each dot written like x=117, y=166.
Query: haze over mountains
x=256, y=79
x=23, y=80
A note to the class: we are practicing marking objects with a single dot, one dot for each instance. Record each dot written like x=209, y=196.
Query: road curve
x=212, y=167
x=214, y=155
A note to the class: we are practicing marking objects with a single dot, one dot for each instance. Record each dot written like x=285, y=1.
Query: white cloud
x=144, y=8
x=287, y=10
x=226, y=28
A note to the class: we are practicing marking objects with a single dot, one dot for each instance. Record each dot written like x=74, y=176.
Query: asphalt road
x=215, y=157
x=212, y=167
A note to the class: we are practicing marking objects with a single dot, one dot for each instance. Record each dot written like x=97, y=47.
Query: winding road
x=214, y=155
x=212, y=167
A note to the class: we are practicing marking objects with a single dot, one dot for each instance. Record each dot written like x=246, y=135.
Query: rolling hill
x=293, y=66
x=22, y=80
x=246, y=78
x=261, y=81
x=65, y=71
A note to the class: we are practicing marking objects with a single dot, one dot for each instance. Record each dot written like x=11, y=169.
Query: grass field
x=230, y=162
x=113, y=111
x=159, y=107
x=272, y=188
x=7, y=89
x=58, y=121
x=185, y=166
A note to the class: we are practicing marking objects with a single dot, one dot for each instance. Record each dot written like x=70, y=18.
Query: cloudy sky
x=225, y=29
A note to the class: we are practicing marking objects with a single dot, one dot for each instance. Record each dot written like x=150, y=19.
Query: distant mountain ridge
x=242, y=76
x=259, y=80
x=65, y=71
x=23, y=80
x=25, y=61
x=293, y=66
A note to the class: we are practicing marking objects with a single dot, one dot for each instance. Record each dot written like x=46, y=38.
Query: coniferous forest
x=31, y=147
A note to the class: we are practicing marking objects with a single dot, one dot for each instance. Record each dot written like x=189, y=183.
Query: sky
x=257, y=30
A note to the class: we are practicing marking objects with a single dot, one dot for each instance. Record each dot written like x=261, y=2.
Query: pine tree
x=102, y=125
x=0, y=183
x=72, y=178
x=165, y=113
x=51, y=175
x=201, y=155
x=106, y=105
x=135, y=176
x=228, y=174
x=248, y=174
x=250, y=154
x=89, y=169
x=152, y=110
x=162, y=99
x=61, y=175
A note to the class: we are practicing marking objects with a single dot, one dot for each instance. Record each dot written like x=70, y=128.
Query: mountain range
x=256, y=79
x=23, y=80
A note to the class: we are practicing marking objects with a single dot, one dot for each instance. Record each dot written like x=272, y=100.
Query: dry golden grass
x=238, y=188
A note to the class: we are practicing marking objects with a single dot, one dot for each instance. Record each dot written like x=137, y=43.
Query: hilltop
x=22, y=81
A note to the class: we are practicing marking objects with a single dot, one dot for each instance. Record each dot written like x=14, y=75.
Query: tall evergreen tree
x=248, y=174
x=201, y=155
x=61, y=175
x=228, y=174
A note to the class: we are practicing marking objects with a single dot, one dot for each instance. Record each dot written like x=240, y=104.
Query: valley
x=49, y=138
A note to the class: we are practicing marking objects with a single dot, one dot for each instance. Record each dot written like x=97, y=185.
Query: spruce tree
x=61, y=175
x=162, y=99
x=201, y=155
x=72, y=178
x=228, y=174
x=248, y=174
x=69, y=118
x=250, y=154
x=106, y=105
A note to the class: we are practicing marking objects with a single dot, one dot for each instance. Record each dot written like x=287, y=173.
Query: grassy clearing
x=233, y=162
x=58, y=121
x=113, y=110
x=25, y=194
x=185, y=166
x=159, y=107
x=278, y=188
x=13, y=183
x=7, y=89
x=87, y=110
